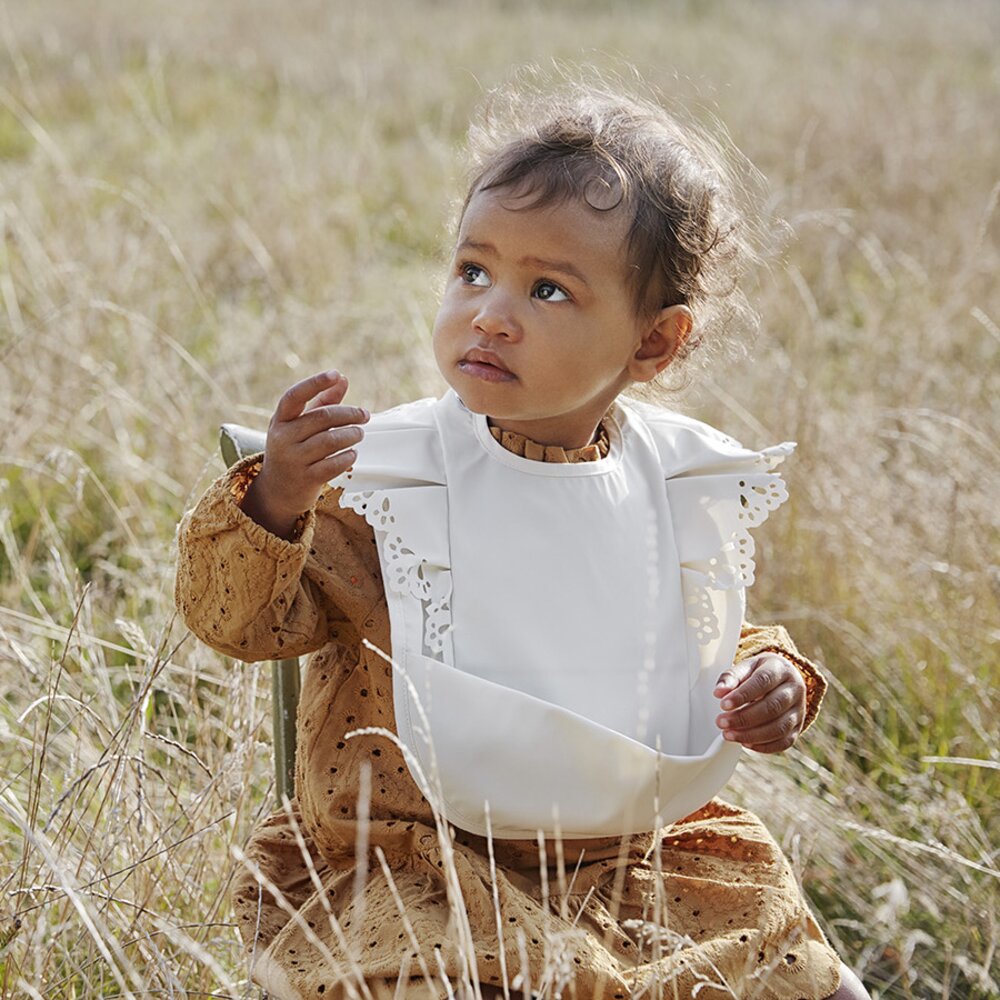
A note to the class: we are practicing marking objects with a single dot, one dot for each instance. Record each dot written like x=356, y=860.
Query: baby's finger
x=294, y=400
x=764, y=674
x=325, y=417
x=774, y=747
x=333, y=465
x=784, y=698
x=329, y=442
x=732, y=677
x=786, y=726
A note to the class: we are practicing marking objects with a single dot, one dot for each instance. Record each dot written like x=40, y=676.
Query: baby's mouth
x=485, y=365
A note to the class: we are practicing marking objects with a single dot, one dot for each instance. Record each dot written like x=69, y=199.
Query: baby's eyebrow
x=542, y=263
x=476, y=247
x=560, y=266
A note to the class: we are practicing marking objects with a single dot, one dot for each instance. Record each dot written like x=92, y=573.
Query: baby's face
x=538, y=325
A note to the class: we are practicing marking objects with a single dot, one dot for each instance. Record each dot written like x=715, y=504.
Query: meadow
x=202, y=203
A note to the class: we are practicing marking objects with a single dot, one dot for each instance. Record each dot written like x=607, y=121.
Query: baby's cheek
x=440, y=341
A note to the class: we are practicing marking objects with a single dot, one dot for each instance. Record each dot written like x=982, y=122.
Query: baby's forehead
x=516, y=227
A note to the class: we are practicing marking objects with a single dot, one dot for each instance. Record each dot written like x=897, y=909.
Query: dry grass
x=201, y=202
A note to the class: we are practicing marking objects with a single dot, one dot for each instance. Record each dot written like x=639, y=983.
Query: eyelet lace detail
x=407, y=573
x=733, y=567
x=759, y=495
x=701, y=616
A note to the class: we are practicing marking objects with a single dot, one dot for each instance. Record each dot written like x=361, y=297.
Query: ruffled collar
x=523, y=446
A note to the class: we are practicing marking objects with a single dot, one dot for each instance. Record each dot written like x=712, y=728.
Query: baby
x=530, y=672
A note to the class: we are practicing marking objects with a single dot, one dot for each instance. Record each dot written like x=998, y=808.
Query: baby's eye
x=548, y=291
x=473, y=274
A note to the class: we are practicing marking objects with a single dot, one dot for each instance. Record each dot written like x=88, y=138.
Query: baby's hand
x=765, y=703
x=308, y=443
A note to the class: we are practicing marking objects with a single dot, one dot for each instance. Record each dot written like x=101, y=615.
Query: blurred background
x=202, y=203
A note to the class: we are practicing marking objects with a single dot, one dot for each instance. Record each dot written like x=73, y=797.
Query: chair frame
x=237, y=443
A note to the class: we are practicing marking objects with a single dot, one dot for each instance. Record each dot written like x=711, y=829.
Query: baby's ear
x=665, y=335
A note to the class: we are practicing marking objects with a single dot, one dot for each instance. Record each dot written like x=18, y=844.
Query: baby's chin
x=498, y=410
x=474, y=402
x=493, y=414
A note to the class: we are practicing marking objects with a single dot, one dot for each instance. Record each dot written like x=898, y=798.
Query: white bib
x=558, y=629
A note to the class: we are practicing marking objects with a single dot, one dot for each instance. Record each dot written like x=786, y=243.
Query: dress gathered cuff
x=231, y=491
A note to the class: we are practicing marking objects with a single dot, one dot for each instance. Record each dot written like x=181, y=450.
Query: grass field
x=201, y=203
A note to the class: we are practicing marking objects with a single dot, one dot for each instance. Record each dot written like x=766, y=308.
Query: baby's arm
x=771, y=694
x=249, y=593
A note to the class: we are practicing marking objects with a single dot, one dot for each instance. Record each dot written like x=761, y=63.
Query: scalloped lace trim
x=407, y=573
x=733, y=568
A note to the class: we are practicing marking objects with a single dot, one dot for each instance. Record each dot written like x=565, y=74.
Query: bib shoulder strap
x=691, y=447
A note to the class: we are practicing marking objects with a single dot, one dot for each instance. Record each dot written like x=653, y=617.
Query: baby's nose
x=497, y=317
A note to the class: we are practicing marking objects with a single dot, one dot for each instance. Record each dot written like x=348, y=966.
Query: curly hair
x=690, y=239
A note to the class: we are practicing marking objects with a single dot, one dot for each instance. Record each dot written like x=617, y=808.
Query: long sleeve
x=250, y=594
x=756, y=639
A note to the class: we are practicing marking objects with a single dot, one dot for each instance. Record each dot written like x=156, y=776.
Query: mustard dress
x=707, y=907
